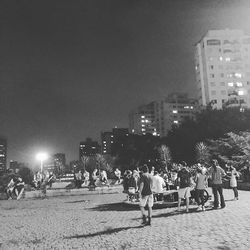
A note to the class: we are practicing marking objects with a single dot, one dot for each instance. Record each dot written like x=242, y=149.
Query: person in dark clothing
x=146, y=195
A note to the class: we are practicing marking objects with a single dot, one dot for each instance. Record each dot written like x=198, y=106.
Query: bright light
x=228, y=59
x=241, y=92
x=42, y=156
x=175, y=111
x=230, y=84
x=176, y=122
x=143, y=116
x=239, y=84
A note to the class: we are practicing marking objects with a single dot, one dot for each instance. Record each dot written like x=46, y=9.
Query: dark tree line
x=208, y=125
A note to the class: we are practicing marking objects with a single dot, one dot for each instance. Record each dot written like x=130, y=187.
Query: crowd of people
x=148, y=187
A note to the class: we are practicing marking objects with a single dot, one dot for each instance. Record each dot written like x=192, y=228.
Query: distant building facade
x=112, y=142
x=3, y=154
x=222, y=64
x=89, y=148
x=158, y=117
x=142, y=120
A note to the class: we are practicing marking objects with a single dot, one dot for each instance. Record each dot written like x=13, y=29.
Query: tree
x=26, y=174
x=165, y=156
x=202, y=153
x=234, y=148
x=209, y=124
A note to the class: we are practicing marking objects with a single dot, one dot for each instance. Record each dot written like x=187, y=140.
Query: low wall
x=66, y=192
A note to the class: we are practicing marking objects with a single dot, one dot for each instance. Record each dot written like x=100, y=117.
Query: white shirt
x=158, y=184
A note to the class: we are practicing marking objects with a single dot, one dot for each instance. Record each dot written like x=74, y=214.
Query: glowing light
x=175, y=111
x=176, y=122
x=241, y=92
x=230, y=84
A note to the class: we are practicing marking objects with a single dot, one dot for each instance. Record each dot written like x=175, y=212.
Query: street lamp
x=42, y=157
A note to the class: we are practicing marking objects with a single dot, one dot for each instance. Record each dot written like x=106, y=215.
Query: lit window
x=191, y=107
x=133, y=130
x=104, y=151
x=175, y=111
x=228, y=59
x=112, y=136
x=111, y=141
x=186, y=107
x=155, y=134
x=176, y=122
x=142, y=120
x=147, y=121
x=239, y=84
x=238, y=75
x=143, y=116
x=221, y=58
x=143, y=125
x=241, y=92
x=230, y=84
x=143, y=129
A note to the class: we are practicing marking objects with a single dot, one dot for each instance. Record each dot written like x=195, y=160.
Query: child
x=201, y=184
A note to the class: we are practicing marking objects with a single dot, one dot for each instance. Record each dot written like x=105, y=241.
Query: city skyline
x=72, y=70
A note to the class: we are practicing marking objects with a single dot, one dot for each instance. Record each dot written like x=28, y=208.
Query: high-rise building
x=222, y=63
x=173, y=110
x=142, y=120
x=113, y=141
x=3, y=154
x=158, y=117
x=107, y=139
x=88, y=148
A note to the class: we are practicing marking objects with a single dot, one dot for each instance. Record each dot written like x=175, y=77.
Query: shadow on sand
x=104, y=232
x=119, y=206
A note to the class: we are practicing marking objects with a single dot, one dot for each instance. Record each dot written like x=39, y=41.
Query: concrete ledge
x=66, y=192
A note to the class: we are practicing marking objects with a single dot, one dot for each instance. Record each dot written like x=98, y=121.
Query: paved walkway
x=104, y=222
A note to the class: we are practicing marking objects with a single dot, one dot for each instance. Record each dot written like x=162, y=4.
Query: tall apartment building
x=3, y=154
x=88, y=148
x=112, y=142
x=142, y=120
x=222, y=63
x=173, y=110
x=158, y=117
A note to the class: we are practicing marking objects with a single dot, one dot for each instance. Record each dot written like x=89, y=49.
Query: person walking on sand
x=146, y=195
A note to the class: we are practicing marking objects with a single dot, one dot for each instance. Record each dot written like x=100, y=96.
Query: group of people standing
x=150, y=186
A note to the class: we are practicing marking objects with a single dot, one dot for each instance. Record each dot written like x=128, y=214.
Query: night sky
x=71, y=69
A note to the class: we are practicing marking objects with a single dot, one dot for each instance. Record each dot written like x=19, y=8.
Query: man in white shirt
x=158, y=186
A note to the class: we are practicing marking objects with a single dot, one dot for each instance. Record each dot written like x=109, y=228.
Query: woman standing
x=233, y=180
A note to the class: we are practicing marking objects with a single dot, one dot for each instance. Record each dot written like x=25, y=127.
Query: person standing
x=158, y=186
x=86, y=177
x=216, y=174
x=201, y=184
x=184, y=181
x=146, y=195
x=118, y=175
x=233, y=180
